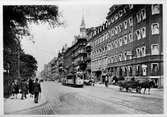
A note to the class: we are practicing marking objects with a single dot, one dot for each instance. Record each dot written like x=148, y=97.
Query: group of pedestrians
x=26, y=87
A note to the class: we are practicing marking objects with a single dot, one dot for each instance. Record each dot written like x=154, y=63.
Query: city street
x=96, y=100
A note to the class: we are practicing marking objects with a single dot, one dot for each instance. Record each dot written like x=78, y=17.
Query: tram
x=75, y=80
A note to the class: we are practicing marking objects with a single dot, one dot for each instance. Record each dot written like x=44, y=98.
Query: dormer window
x=155, y=9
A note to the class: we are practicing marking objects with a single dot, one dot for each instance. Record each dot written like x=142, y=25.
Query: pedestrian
x=12, y=88
x=30, y=87
x=106, y=81
x=92, y=81
x=24, y=89
x=37, y=90
x=16, y=88
x=115, y=80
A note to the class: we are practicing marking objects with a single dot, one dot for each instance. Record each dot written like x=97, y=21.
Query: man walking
x=24, y=89
x=37, y=90
x=30, y=87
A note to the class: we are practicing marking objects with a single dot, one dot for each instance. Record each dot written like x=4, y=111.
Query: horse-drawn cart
x=129, y=86
x=135, y=85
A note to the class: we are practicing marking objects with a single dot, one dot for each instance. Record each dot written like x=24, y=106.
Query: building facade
x=129, y=43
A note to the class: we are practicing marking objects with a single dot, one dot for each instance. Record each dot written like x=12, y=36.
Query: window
x=112, y=19
x=115, y=43
x=111, y=46
x=124, y=10
x=155, y=49
x=130, y=37
x=138, y=35
x=143, y=32
x=108, y=60
x=155, y=9
x=154, y=68
x=138, y=16
x=155, y=28
x=143, y=14
x=125, y=56
x=107, y=36
x=131, y=21
x=116, y=58
x=130, y=6
x=105, y=48
x=112, y=59
x=119, y=29
x=125, y=24
x=143, y=51
x=144, y=69
x=116, y=16
x=120, y=57
x=112, y=32
x=120, y=41
x=116, y=30
x=138, y=52
x=125, y=39
x=120, y=13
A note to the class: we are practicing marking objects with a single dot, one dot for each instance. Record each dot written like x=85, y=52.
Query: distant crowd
x=25, y=87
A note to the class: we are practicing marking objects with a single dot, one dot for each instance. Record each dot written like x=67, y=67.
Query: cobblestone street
x=97, y=100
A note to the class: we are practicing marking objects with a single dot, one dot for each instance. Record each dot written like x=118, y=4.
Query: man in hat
x=37, y=90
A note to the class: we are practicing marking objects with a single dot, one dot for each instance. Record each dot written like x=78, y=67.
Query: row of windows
x=120, y=13
x=122, y=26
x=139, y=34
x=112, y=20
x=141, y=51
x=128, y=38
x=78, y=51
x=99, y=63
x=117, y=29
x=140, y=16
x=127, y=55
x=101, y=39
x=120, y=57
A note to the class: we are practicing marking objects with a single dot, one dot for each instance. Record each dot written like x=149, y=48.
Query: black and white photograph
x=83, y=59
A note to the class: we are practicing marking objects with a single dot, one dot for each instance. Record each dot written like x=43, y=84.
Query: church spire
x=82, y=21
x=83, y=27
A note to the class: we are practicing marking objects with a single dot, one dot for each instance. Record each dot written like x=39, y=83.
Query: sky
x=49, y=41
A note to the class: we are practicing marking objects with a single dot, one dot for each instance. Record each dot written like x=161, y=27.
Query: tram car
x=75, y=80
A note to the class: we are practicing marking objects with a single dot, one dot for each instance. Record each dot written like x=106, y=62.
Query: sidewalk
x=155, y=92
x=13, y=105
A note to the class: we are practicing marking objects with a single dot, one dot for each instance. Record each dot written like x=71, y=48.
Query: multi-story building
x=68, y=67
x=88, y=50
x=54, y=68
x=75, y=56
x=129, y=43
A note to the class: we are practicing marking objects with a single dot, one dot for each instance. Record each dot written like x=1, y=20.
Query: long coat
x=31, y=86
x=37, y=87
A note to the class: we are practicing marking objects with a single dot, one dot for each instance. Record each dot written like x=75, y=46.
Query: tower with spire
x=83, y=28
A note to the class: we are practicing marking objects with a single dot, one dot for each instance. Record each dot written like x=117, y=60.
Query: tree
x=16, y=20
x=28, y=66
